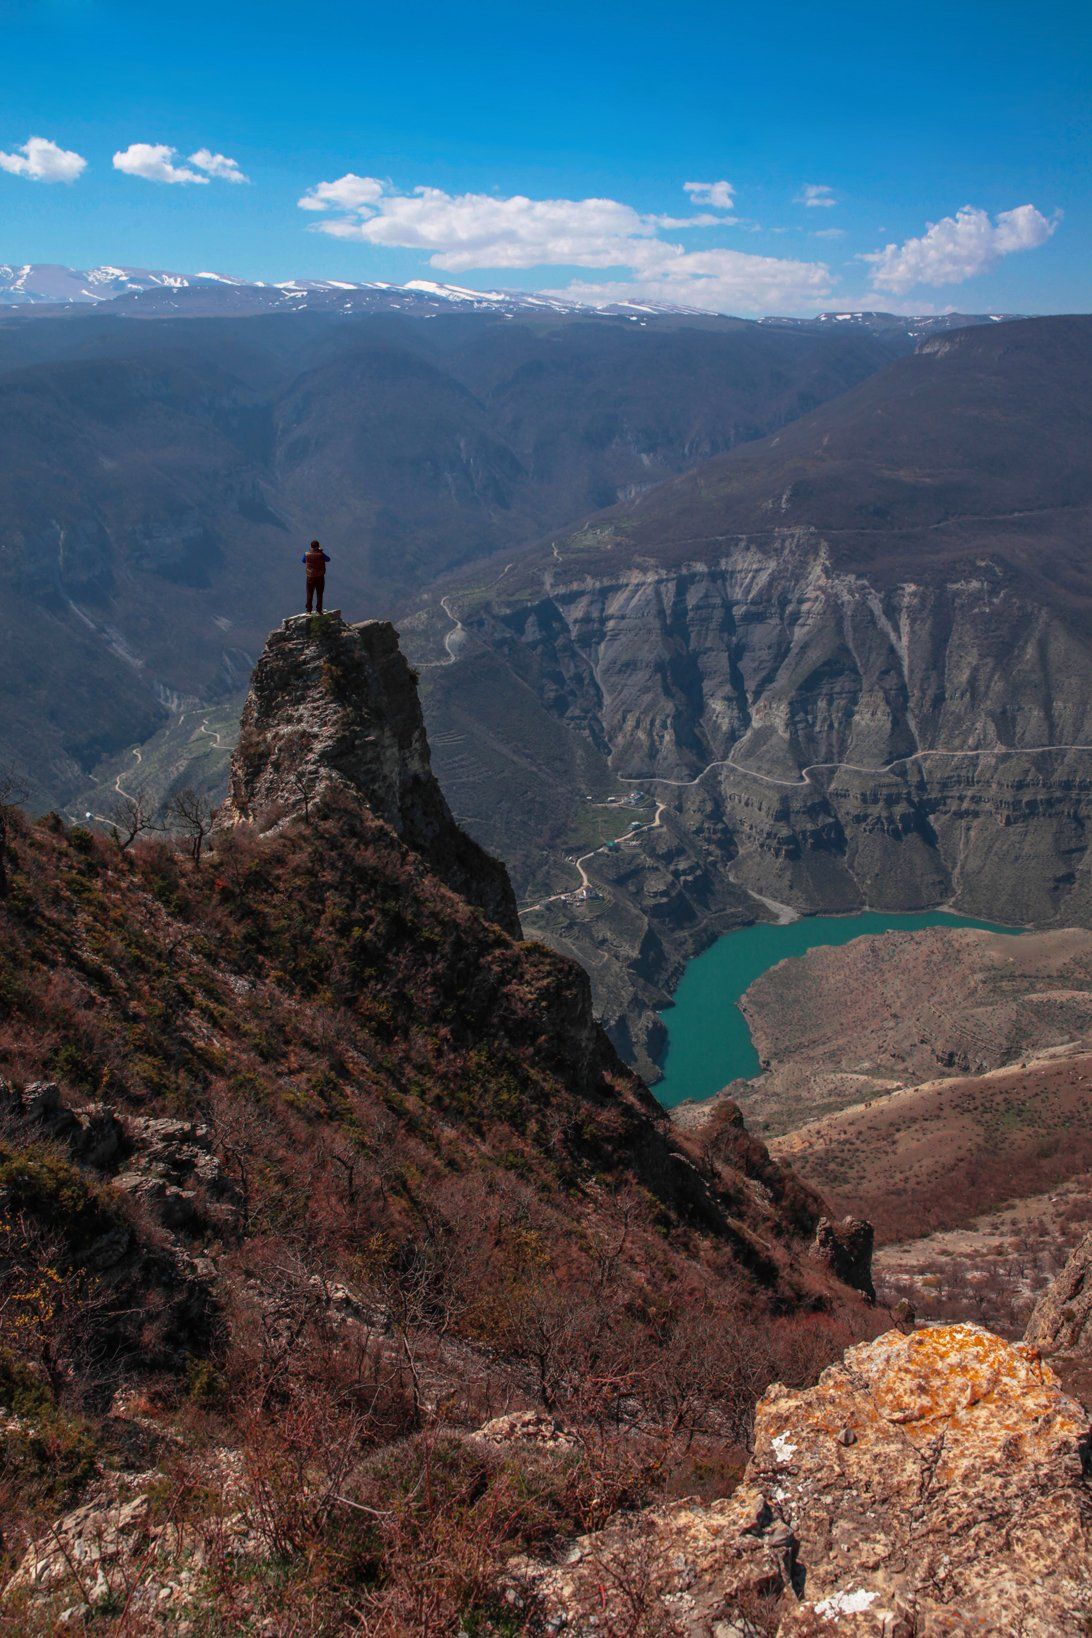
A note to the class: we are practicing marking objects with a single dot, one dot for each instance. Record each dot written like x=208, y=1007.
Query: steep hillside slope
x=1002, y=1136
x=936, y=1081
x=842, y=1025
x=309, y=1168
x=975, y=443
x=159, y=478
x=849, y=664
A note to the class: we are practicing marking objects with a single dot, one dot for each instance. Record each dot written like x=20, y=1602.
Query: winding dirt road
x=457, y=626
x=855, y=767
x=784, y=911
x=629, y=836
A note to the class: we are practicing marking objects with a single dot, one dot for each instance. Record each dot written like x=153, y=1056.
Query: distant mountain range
x=157, y=477
x=147, y=292
x=150, y=291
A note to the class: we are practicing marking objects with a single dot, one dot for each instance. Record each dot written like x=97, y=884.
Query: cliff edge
x=335, y=706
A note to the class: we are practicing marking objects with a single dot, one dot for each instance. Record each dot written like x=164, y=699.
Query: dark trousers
x=315, y=589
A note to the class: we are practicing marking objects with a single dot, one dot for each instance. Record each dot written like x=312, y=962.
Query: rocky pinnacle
x=334, y=707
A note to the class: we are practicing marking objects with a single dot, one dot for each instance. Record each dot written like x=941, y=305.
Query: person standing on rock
x=314, y=561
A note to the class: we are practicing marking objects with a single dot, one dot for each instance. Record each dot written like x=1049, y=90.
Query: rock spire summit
x=334, y=707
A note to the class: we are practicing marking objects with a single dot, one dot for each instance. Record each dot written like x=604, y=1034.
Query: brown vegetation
x=939, y=1155
x=351, y=1173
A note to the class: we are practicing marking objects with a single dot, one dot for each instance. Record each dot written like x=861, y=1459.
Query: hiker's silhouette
x=315, y=560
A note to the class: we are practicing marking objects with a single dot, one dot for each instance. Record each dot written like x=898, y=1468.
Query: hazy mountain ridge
x=158, y=478
x=156, y=293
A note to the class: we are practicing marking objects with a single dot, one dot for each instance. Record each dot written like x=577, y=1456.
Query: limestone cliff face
x=335, y=706
x=931, y=1483
x=815, y=736
x=771, y=662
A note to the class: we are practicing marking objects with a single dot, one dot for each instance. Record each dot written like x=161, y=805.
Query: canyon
x=378, y=1259
x=832, y=664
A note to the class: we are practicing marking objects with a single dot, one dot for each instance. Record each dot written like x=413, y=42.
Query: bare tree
x=305, y=785
x=129, y=815
x=192, y=812
x=302, y=777
x=12, y=793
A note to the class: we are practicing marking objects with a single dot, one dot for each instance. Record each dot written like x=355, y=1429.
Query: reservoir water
x=708, y=1042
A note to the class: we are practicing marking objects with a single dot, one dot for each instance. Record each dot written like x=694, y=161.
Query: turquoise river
x=708, y=1042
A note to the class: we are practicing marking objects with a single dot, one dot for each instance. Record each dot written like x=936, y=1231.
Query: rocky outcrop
x=931, y=1483
x=1060, y=1325
x=92, y=1134
x=534, y=1428
x=168, y=1166
x=1061, y=1321
x=846, y=1249
x=173, y=1170
x=335, y=707
x=121, y=1549
x=682, y=1569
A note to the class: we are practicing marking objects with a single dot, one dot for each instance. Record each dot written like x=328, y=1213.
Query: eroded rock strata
x=848, y=664
x=802, y=735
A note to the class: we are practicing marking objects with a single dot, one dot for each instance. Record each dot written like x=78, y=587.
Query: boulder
x=535, y=1428
x=688, y=1568
x=961, y=1504
x=929, y=1484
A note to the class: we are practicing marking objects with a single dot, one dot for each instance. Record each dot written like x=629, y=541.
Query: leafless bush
x=130, y=814
x=191, y=812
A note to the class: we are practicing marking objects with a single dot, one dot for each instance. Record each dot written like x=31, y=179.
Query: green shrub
x=36, y=1180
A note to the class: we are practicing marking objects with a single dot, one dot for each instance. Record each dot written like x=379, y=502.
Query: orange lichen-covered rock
x=929, y=1485
x=934, y=1483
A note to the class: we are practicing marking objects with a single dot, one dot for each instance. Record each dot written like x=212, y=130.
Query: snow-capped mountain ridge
x=152, y=292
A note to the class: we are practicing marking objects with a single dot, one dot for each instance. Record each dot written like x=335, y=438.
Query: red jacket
x=316, y=563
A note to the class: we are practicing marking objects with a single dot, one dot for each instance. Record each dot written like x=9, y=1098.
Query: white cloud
x=958, y=247
x=218, y=165
x=349, y=192
x=154, y=161
x=829, y=233
x=721, y=195
x=157, y=162
x=719, y=281
x=460, y=232
x=816, y=195
x=40, y=160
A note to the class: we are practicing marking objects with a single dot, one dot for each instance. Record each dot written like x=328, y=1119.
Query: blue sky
x=549, y=149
